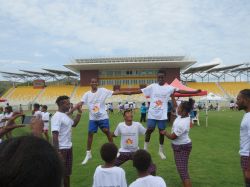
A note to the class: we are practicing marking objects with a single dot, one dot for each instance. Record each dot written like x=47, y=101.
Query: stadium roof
x=45, y=74
x=241, y=69
x=14, y=75
x=181, y=62
x=225, y=68
x=200, y=68
x=60, y=72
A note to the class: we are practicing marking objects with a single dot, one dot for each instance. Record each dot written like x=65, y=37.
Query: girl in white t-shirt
x=181, y=143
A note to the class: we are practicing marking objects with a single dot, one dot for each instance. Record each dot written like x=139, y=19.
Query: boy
x=142, y=161
x=129, y=132
x=108, y=174
x=45, y=118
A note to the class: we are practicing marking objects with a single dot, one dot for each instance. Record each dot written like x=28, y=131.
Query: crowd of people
x=58, y=156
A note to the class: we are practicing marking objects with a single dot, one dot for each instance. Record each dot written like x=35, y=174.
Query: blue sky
x=39, y=34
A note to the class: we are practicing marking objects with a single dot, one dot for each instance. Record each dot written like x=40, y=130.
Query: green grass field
x=214, y=160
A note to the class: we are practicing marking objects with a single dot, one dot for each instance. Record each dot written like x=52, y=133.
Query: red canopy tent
x=2, y=100
x=177, y=84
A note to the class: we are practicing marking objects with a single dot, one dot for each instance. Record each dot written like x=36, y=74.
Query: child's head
x=109, y=152
x=128, y=115
x=141, y=160
x=44, y=108
x=36, y=106
x=185, y=107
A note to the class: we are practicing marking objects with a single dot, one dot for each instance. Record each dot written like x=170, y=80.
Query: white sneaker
x=163, y=157
x=87, y=158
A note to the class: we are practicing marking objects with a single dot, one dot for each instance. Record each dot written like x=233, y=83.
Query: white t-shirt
x=45, y=117
x=181, y=127
x=96, y=103
x=126, y=106
x=38, y=114
x=149, y=181
x=62, y=123
x=245, y=135
x=159, y=96
x=109, y=177
x=129, y=136
x=7, y=116
x=1, y=118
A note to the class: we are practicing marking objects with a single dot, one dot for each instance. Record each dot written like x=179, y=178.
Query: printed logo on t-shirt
x=158, y=104
x=95, y=109
x=129, y=141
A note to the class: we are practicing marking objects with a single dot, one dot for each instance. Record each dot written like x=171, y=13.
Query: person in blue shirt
x=143, y=112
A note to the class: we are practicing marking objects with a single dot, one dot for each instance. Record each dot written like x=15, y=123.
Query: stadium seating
x=23, y=95
x=233, y=88
x=52, y=92
x=208, y=86
x=77, y=96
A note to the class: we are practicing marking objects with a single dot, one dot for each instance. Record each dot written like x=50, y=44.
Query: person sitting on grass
x=181, y=143
x=142, y=161
x=108, y=174
x=129, y=132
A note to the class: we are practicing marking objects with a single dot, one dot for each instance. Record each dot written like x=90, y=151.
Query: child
x=143, y=112
x=142, y=161
x=181, y=143
x=45, y=118
x=129, y=132
x=108, y=174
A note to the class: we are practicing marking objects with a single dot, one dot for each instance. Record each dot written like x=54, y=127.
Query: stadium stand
x=209, y=86
x=52, y=92
x=80, y=90
x=232, y=88
x=23, y=95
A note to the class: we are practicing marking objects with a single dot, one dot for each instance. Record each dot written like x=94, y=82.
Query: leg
x=92, y=129
x=162, y=124
x=104, y=126
x=123, y=157
x=181, y=156
x=246, y=170
x=107, y=132
x=66, y=181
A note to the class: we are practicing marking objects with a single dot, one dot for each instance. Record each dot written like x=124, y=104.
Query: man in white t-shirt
x=129, y=131
x=108, y=175
x=36, y=111
x=243, y=102
x=61, y=125
x=159, y=95
x=142, y=161
x=98, y=116
x=45, y=118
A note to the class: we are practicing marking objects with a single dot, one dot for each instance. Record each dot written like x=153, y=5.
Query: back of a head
x=141, y=160
x=108, y=152
x=29, y=161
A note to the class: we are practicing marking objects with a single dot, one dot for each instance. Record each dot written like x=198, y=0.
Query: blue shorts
x=162, y=124
x=94, y=124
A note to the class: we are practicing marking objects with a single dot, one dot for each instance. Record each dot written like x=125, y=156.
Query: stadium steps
x=223, y=90
x=74, y=92
x=40, y=93
x=7, y=94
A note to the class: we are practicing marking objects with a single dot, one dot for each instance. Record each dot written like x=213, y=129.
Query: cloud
x=60, y=30
x=13, y=62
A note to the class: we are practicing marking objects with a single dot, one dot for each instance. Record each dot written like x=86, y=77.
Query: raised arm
x=188, y=92
x=117, y=92
x=78, y=116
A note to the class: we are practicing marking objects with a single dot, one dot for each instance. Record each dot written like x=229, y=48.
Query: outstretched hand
x=37, y=126
x=163, y=132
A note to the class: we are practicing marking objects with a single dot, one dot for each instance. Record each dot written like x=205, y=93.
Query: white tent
x=212, y=97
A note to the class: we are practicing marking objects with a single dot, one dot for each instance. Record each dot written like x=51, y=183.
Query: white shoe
x=163, y=157
x=87, y=158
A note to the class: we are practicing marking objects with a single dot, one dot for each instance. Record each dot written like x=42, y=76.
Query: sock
x=146, y=145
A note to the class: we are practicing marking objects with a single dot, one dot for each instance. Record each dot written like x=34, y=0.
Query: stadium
x=214, y=145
